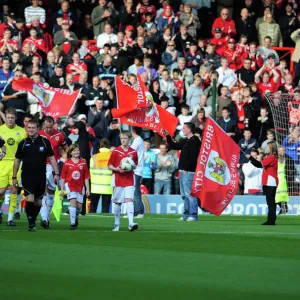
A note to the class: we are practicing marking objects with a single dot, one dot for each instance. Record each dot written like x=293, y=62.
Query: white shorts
x=120, y=193
x=50, y=178
x=75, y=195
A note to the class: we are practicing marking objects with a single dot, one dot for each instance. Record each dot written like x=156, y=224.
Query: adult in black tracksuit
x=190, y=148
x=33, y=153
x=269, y=178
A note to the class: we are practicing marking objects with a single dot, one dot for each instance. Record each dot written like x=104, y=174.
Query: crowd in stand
x=178, y=48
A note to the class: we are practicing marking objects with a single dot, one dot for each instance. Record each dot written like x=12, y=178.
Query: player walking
x=123, y=180
x=57, y=139
x=33, y=151
x=12, y=135
x=74, y=176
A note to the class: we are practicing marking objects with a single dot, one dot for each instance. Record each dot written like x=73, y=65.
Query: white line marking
x=166, y=231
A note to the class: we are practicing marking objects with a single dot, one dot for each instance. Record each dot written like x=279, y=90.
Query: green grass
x=215, y=258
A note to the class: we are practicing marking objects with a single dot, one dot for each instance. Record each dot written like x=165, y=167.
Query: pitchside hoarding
x=240, y=205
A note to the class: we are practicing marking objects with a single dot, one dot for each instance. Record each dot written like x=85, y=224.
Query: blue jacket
x=3, y=81
x=163, y=22
x=149, y=157
x=291, y=149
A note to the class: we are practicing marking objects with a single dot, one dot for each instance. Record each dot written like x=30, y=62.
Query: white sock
x=10, y=217
x=117, y=212
x=72, y=211
x=19, y=199
x=130, y=212
x=50, y=202
x=44, y=210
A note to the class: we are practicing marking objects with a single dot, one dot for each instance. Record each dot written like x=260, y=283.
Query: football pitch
x=215, y=258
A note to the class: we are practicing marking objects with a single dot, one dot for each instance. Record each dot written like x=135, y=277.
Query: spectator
x=253, y=176
x=76, y=68
x=99, y=118
x=270, y=29
x=7, y=44
x=295, y=36
x=288, y=23
x=129, y=15
x=194, y=92
x=91, y=61
x=266, y=50
x=222, y=101
x=199, y=119
x=227, y=124
x=246, y=26
x=34, y=11
x=267, y=84
x=227, y=77
x=165, y=166
x=137, y=65
x=57, y=80
x=246, y=74
x=185, y=73
x=121, y=62
x=194, y=58
x=66, y=41
x=155, y=91
x=15, y=99
x=264, y=125
x=143, y=7
x=202, y=104
x=5, y=75
x=107, y=37
x=182, y=39
x=65, y=13
x=102, y=15
x=168, y=87
x=183, y=118
x=167, y=18
x=106, y=67
x=149, y=166
x=246, y=144
x=169, y=57
x=113, y=133
x=191, y=20
x=226, y=23
x=211, y=58
x=263, y=18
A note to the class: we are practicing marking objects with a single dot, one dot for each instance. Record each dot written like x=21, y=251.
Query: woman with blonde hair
x=269, y=178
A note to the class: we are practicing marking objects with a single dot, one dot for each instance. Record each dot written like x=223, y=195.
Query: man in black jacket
x=190, y=148
x=246, y=73
x=246, y=26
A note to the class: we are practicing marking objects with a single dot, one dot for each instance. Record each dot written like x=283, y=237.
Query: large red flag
x=54, y=102
x=137, y=108
x=216, y=177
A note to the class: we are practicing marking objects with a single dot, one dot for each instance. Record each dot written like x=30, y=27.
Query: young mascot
x=122, y=161
x=75, y=180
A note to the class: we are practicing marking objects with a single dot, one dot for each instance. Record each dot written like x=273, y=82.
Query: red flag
x=216, y=177
x=55, y=102
x=137, y=108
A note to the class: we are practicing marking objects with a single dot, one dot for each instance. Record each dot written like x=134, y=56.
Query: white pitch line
x=181, y=232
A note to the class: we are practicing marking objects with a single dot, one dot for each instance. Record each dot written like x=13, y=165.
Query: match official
x=33, y=151
x=190, y=148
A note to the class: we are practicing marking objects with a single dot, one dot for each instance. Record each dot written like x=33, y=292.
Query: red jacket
x=225, y=25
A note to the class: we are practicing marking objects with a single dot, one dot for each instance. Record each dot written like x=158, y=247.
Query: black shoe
x=32, y=228
x=45, y=224
x=76, y=222
x=1, y=218
x=17, y=216
x=267, y=223
x=11, y=224
x=73, y=226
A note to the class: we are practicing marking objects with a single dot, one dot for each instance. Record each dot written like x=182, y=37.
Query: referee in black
x=190, y=148
x=33, y=152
